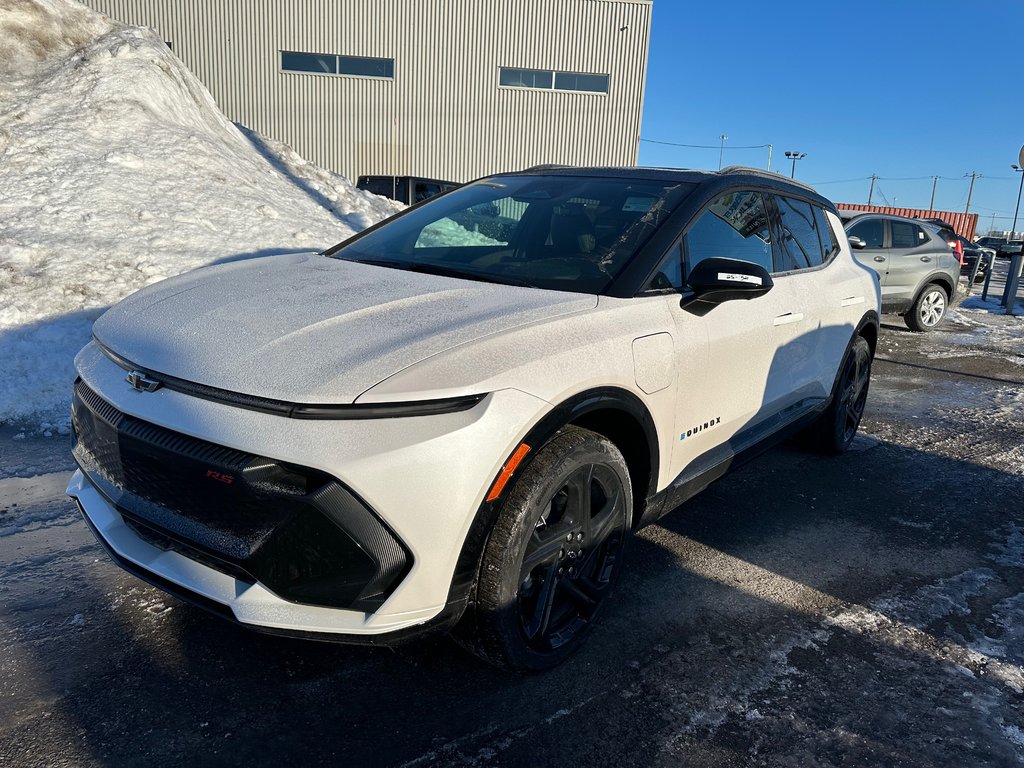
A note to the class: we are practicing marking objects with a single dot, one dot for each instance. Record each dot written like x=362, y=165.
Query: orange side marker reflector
x=507, y=470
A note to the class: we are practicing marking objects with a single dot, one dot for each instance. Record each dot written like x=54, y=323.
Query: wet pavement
x=804, y=611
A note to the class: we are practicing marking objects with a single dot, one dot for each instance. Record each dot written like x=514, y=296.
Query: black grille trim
x=297, y=531
x=299, y=410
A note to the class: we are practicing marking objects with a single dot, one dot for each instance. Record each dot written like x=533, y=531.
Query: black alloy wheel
x=853, y=391
x=572, y=553
x=554, y=554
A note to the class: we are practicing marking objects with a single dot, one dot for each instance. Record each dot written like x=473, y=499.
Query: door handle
x=789, y=317
x=926, y=258
x=879, y=258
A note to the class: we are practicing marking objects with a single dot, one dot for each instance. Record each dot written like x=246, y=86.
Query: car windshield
x=570, y=233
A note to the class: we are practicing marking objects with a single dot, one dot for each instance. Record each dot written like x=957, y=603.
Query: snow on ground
x=117, y=170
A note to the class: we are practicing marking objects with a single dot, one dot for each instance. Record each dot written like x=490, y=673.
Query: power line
x=704, y=146
x=839, y=181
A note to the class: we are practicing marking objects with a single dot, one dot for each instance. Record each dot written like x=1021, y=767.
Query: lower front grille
x=297, y=531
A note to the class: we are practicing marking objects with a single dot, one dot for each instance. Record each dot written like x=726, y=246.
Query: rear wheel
x=554, y=554
x=928, y=310
x=835, y=429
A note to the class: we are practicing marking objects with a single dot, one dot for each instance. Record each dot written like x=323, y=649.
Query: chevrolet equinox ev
x=458, y=417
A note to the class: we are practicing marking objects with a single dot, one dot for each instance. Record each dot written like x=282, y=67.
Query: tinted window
x=366, y=67
x=670, y=272
x=309, y=62
x=425, y=189
x=829, y=244
x=526, y=78
x=871, y=231
x=379, y=186
x=800, y=246
x=906, y=235
x=329, y=64
x=572, y=81
x=735, y=226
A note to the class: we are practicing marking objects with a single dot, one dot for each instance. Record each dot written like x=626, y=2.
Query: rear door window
x=799, y=244
x=829, y=244
x=907, y=235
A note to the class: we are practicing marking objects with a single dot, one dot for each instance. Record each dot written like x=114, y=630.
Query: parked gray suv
x=916, y=268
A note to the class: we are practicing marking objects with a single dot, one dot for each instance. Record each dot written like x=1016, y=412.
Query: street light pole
x=721, y=152
x=1016, y=210
x=794, y=156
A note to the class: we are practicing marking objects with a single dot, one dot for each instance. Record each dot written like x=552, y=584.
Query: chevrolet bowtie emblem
x=142, y=383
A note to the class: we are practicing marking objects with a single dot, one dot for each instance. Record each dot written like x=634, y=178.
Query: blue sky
x=903, y=89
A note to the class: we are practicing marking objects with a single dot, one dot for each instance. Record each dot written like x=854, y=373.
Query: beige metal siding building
x=450, y=89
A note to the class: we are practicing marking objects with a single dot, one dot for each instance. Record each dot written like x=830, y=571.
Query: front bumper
x=422, y=478
x=228, y=596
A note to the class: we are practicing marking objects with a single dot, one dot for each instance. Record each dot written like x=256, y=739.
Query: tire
x=929, y=309
x=541, y=587
x=835, y=429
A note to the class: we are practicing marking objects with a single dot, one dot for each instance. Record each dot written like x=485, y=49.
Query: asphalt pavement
x=866, y=609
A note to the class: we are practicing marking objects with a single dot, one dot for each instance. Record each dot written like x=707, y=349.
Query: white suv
x=460, y=415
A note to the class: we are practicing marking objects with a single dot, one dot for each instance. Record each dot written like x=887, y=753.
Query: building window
x=526, y=78
x=331, y=64
x=576, y=81
x=547, y=80
x=365, y=66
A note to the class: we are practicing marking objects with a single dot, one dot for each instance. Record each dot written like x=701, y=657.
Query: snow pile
x=117, y=169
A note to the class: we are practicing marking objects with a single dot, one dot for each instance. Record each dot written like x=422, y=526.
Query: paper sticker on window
x=734, y=277
x=638, y=204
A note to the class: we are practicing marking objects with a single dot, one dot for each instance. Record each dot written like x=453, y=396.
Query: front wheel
x=928, y=310
x=554, y=554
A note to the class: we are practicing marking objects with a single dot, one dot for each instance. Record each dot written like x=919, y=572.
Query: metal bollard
x=1012, y=281
x=974, y=273
x=988, y=276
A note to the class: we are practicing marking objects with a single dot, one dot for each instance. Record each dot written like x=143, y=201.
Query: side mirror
x=856, y=243
x=716, y=280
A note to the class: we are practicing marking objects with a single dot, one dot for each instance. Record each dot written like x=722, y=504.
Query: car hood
x=311, y=329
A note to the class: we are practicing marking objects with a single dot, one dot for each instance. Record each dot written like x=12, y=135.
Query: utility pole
x=974, y=175
x=871, y=191
x=769, y=157
x=1013, y=228
x=935, y=183
x=721, y=152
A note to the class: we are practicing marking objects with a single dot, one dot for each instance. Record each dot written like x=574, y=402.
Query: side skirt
x=719, y=461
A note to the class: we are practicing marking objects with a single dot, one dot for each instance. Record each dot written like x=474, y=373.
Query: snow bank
x=117, y=169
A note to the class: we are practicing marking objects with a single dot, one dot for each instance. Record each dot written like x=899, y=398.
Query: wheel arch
x=613, y=412
x=937, y=278
x=868, y=328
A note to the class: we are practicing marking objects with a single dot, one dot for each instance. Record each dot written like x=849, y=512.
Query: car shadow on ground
x=752, y=621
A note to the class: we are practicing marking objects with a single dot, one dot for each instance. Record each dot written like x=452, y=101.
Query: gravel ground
x=861, y=610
